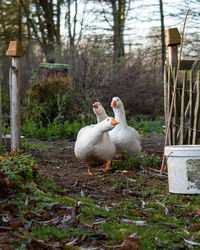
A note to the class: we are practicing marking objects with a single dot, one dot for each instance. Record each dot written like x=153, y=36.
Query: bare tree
x=120, y=10
x=45, y=25
x=74, y=32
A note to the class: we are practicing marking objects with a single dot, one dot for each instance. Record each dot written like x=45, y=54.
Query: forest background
x=113, y=48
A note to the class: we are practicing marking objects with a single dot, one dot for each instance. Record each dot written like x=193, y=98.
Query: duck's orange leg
x=108, y=166
x=89, y=171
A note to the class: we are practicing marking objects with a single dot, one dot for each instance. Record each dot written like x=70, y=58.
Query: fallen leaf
x=186, y=198
x=131, y=243
x=128, y=172
x=198, y=211
x=17, y=224
x=194, y=228
x=139, y=213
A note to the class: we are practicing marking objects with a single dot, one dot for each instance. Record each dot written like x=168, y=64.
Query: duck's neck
x=99, y=129
x=101, y=117
x=120, y=115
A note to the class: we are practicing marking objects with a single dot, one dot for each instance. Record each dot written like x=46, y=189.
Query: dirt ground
x=60, y=163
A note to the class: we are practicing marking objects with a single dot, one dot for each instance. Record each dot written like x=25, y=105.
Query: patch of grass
x=142, y=123
x=53, y=131
x=130, y=163
x=27, y=146
x=147, y=209
x=58, y=130
x=49, y=232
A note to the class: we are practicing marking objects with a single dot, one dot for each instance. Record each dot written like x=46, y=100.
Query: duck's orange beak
x=96, y=105
x=114, y=103
x=114, y=122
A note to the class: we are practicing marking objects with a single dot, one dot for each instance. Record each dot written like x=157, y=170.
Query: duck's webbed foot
x=108, y=166
x=89, y=171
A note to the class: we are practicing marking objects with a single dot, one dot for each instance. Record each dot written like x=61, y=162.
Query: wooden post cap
x=173, y=37
x=15, y=49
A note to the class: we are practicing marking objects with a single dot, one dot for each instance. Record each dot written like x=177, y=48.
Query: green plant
x=53, y=131
x=130, y=163
x=51, y=99
x=16, y=169
x=142, y=123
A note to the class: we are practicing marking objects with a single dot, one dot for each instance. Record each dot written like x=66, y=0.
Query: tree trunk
x=19, y=37
x=162, y=35
x=118, y=28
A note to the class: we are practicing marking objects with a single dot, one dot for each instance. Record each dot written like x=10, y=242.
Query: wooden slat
x=169, y=101
x=198, y=119
x=174, y=128
x=166, y=104
x=190, y=110
x=182, y=118
x=196, y=113
x=186, y=64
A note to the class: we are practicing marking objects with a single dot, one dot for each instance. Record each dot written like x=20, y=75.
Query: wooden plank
x=166, y=104
x=182, y=116
x=174, y=127
x=198, y=119
x=196, y=109
x=186, y=64
x=169, y=101
x=173, y=56
x=15, y=109
x=190, y=109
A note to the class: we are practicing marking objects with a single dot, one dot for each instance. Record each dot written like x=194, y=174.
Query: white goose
x=99, y=111
x=93, y=144
x=125, y=138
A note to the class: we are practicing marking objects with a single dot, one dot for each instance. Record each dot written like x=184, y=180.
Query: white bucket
x=183, y=162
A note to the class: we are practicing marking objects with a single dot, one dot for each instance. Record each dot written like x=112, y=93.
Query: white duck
x=99, y=111
x=125, y=138
x=93, y=144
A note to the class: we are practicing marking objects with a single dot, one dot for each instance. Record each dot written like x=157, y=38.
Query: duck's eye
x=108, y=119
x=117, y=99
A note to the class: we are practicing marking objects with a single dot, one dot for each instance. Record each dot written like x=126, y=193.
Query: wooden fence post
x=15, y=50
x=173, y=40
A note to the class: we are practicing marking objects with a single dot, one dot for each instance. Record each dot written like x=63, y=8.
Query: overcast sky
x=145, y=15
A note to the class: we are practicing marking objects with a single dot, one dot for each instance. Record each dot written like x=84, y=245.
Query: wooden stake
x=175, y=118
x=182, y=122
x=169, y=101
x=196, y=111
x=190, y=109
x=15, y=104
x=165, y=96
x=175, y=86
x=198, y=122
x=15, y=50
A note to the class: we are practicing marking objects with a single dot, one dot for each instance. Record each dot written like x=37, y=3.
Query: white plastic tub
x=183, y=163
